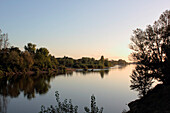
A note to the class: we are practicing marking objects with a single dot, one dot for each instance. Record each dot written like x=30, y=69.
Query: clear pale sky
x=78, y=28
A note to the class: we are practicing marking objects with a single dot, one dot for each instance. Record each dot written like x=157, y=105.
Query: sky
x=78, y=28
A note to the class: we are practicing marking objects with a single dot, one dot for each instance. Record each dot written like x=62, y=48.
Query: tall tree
x=102, y=60
x=152, y=46
x=3, y=40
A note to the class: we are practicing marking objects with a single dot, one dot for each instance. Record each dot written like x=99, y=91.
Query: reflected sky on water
x=111, y=89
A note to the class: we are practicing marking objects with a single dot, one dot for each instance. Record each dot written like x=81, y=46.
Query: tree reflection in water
x=30, y=85
x=3, y=104
x=101, y=72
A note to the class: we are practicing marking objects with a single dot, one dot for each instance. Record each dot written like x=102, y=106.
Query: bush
x=67, y=106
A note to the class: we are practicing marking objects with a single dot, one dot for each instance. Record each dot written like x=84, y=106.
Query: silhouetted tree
x=94, y=108
x=140, y=80
x=102, y=60
x=68, y=107
x=152, y=46
x=61, y=107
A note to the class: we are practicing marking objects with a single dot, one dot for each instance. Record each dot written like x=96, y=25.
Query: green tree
x=106, y=63
x=28, y=60
x=43, y=51
x=42, y=59
x=15, y=49
x=15, y=62
x=31, y=48
x=102, y=59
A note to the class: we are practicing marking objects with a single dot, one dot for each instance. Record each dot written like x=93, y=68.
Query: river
x=111, y=89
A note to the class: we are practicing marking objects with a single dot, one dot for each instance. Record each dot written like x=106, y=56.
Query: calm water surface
x=111, y=89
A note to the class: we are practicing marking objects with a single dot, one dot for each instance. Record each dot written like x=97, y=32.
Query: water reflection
x=35, y=85
x=102, y=72
x=120, y=67
x=3, y=104
x=29, y=85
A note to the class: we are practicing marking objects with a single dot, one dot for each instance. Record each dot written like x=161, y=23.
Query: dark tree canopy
x=31, y=48
x=140, y=81
x=152, y=48
x=43, y=51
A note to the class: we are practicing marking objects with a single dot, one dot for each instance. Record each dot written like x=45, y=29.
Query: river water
x=27, y=94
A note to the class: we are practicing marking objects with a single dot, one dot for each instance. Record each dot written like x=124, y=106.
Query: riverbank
x=30, y=72
x=61, y=70
x=156, y=101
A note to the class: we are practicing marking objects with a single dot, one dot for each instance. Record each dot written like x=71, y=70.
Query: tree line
x=86, y=62
x=13, y=60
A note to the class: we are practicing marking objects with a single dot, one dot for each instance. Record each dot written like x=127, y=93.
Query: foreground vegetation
x=67, y=106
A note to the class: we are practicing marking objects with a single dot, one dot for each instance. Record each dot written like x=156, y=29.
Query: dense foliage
x=13, y=60
x=152, y=52
x=29, y=86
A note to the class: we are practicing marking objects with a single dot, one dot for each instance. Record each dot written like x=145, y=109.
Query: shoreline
x=67, y=69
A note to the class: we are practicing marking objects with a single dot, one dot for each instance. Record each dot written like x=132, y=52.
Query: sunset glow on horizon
x=78, y=28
